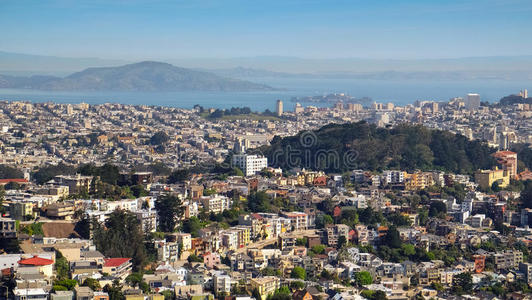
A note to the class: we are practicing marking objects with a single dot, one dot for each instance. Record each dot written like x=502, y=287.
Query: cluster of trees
x=47, y=173
x=262, y=202
x=33, y=229
x=234, y=111
x=342, y=147
x=108, y=173
x=159, y=138
x=514, y=99
x=524, y=155
x=121, y=236
x=7, y=172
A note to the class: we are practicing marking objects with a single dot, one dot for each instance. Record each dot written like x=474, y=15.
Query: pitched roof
x=115, y=262
x=35, y=261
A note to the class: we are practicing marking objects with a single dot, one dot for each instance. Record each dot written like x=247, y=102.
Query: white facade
x=222, y=283
x=250, y=164
x=215, y=203
x=393, y=176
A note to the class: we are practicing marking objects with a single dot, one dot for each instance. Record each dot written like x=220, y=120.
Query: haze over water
x=400, y=92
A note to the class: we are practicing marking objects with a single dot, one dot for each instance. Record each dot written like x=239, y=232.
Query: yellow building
x=156, y=297
x=265, y=285
x=486, y=178
x=244, y=233
x=415, y=181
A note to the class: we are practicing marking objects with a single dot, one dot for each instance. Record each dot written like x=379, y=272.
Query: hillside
x=143, y=76
x=515, y=99
x=343, y=147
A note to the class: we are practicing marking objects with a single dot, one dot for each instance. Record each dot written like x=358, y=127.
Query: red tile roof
x=503, y=153
x=18, y=180
x=115, y=262
x=36, y=261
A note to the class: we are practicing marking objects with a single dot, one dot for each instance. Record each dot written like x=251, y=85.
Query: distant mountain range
x=254, y=68
x=143, y=76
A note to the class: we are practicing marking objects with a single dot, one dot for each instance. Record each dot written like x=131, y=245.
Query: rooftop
x=115, y=262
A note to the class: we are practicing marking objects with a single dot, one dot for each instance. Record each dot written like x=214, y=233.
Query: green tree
x=437, y=209
x=58, y=288
x=462, y=283
x=62, y=267
x=94, y=284
x=318, y=249
x=194, y=258
x=138, y=191
x=69, y=284
x=179, y=176
x=7, y=172
x=47, y=173
x=134, y=279
x=299, y=273
x=342, y=241
x=159, y=138
x=392, y=238
x=373, y=295
x=259, y=202
x=168, y=295
x=363, y=278
x=114, y=291
x=33, y=229
x=170, y=210
x=408, y=250
x=192, y=226
x=297, y=285
x=121, y=236
x=437, y=286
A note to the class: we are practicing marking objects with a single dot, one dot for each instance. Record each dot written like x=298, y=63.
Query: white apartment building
x=215, y=203
x=250, y=164
x=222, y=284
x=230, y=239
x=185, y=239
x=393, y=176
x=298, y=220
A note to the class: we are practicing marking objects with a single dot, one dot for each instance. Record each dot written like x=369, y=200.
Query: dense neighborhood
x=113, y=202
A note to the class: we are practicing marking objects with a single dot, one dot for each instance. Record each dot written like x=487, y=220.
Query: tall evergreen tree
x=121, y=237
x=170, y=210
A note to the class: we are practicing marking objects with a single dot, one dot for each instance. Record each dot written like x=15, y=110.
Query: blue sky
x=134, y=29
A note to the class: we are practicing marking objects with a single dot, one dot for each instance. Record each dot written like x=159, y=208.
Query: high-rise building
x=434, y=107
x=279, y=108
x=70, y=109
x=472, y=101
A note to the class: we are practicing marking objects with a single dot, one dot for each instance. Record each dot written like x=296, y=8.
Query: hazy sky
x=134, y=29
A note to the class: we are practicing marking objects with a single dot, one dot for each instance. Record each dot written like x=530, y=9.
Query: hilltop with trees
x=343, y=147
